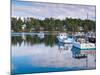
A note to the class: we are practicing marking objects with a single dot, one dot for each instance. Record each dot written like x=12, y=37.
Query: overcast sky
x=46, y=10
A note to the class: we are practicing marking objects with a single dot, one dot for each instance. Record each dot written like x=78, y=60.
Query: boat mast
x=87, y=16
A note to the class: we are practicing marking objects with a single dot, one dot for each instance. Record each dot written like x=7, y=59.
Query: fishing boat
x=91, y=37
x=41, y=35
x=79, y=34
x=83, y=45
x=64, y=38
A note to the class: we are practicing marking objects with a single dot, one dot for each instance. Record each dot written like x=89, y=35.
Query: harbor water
x=35, y=53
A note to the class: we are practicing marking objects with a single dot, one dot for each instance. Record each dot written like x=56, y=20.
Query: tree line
x=52, y=24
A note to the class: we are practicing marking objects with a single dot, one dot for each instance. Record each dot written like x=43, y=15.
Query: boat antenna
x=87, y=16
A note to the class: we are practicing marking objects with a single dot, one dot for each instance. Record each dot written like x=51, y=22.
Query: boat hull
x=67, y=40
x=84, y=46
x=92, y=40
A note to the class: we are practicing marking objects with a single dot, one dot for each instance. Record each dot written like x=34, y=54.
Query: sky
x=46, y=10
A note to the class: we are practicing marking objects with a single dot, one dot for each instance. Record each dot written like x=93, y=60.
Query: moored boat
x=65, y=38
x=82, y=45
x=91, y=37
x=41, y=35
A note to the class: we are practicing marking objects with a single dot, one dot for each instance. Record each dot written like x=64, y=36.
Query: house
x=81, y=28
x=23, y=26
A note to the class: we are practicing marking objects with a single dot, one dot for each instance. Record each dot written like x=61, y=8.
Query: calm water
x=32, y=53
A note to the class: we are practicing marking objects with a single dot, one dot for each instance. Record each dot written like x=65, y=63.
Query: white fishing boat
x=64, y=38
x=82, y=45
x=41, y=35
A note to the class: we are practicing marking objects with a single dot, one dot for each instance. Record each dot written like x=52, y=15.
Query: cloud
x=39, y=55
x=43, y=10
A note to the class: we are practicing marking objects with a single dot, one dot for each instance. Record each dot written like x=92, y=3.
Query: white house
x=23, y=26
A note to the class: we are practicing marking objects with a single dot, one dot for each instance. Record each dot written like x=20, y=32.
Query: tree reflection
x=48, y=40
x=16, y=40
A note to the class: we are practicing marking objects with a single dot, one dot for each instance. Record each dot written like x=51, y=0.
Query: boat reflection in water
x=85, y=54
x=31, y=54
x=64, y=46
